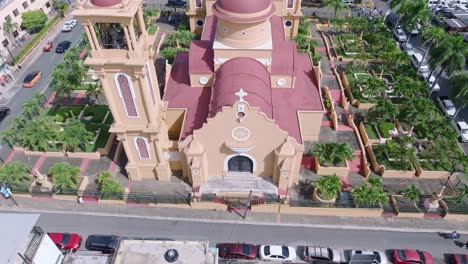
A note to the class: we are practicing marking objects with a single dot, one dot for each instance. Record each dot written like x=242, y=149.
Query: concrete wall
x=310, y=123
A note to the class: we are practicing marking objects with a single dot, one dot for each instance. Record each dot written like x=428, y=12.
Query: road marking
x=53, y=56
x=247, y=222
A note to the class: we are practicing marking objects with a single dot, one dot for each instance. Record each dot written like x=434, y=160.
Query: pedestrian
x=454, y=235
x=80, y=200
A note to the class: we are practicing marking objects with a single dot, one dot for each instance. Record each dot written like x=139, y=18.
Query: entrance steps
x=240, y=176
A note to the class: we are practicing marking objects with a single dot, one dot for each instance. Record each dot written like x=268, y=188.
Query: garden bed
x=61, y=113
x=98, y=113
x=380, y=152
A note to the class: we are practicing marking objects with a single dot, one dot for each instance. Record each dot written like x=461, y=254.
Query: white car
x=73, y=22
x=277, y=253
x=69, y=25
x=408, y=48
x=400, y=35
x=416, y=59
x=375, y=257
x=431, y=81
x=462, y=130
x=447, y=106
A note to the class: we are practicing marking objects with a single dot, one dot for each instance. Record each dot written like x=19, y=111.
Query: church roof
x=243, y=11
x=201, y=57
x=105, y=3
x=245, y=73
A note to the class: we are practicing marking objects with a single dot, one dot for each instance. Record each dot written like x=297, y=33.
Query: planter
x=85, y=155
x=318, y=198
x=56, y=154
x=427, y=174
x=110, y=201
x=323, y=170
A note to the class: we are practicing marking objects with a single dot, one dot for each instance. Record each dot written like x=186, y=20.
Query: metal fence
x=337, y=204
x=155, y=198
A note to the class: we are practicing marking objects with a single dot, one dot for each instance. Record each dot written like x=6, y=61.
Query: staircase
x=336, y=96
x=356, y=164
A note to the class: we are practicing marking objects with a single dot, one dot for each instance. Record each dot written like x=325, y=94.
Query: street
x=38, y=61
x=257, y=234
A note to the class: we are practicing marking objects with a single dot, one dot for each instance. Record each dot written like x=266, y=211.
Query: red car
x=66, y=242
x=48, y=47
x=458, y=259
x=412, y=256
x=237, y=251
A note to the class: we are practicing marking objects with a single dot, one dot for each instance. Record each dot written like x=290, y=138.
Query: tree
x=94, y=90
x=109, y=186
x=64, y=176
x=383, y=110
x=370, y=193
x=169, y=53
x=337, y=5
x=40, y=134
x=409, y=87
x=333, y=153
x=462, y=194
x=399, y=149
x=415, y=12
x=328, y=187
x=434, y=36
x=412, y=193
x=39, y=98
x=180, y=39
x=31, y=108
x=14, y=173
x=459, y=84
x=34, y=19
x=9, y=27
x=9, y=136
x=75, y=135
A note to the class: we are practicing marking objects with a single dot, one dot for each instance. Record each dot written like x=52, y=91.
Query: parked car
x=447, y=106
x=104, y=243
x=69, y=25
x=237, y=251
x=416, y=59
x=408, y=48
x=276, y=253
x=314, y=253
x=462, y=129
x=63, y=46
x=66, y=242
x=399, y=35
x=412, y=256
x=4, y=111
x=375, y=257
x=31, y=79
x=458, y=259
x=177, y=3
x=431, y=81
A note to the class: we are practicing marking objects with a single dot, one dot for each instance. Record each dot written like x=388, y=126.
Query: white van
x=416, y=59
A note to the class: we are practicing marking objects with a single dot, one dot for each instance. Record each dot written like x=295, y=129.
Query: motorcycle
x=48, y=47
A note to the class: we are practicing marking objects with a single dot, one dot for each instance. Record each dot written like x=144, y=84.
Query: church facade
x=236, y=108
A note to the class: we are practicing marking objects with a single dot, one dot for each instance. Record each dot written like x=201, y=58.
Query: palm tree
x=333, y=153
x=14, y=173
x=328, y=187
x=94, y=90
x=109, y=186
x=64, y=176
x=412, y=193
x=337, y=5
x=31, y=108
x=415, y=12
x=369, y=195
x=409, y=87
x=337, y=23
x=39, y=98
x=383, y=110
x=40, y=134
x=10, y=137
x=434, y=36
x=75, y=135
x=9, y=27
x=459, y=84
x=462, y=194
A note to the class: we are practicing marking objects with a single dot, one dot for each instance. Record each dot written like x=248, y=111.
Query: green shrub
x=384, y=128
x=370, y=130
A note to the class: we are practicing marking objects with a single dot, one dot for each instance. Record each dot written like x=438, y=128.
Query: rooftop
x=152, y=251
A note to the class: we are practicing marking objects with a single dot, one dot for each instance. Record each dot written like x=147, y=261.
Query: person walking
x=80, y=200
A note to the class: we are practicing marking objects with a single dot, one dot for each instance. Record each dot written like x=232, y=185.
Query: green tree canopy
x=34, y=19
x=40, y=134
x=412, y=193
x=328, y=186
x=169, y=53
x=109, y=186
x=64, y=176
x=75, y=135
x=333, y=153
x=14, y=173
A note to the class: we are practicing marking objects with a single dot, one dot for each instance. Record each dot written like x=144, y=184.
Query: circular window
x=203, y=80
x=200, y=22
x=243, y=33
x=241, y=133
x=281, y=82
x=288, y=23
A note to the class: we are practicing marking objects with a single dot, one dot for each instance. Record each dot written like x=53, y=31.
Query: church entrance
x=240, y=164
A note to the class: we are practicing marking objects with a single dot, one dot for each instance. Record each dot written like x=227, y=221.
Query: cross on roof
x=241, y=93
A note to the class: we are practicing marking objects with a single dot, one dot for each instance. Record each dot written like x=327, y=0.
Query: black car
x=4, y=111
x=63, y=46
x=104, y=243
x=177, y=3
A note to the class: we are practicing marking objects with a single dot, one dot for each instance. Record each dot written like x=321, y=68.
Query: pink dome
x=105, y=3
x=244, y=6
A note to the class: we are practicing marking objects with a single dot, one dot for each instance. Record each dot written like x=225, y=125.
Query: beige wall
x=265, y=135
x=241, y=36
x=310, y=123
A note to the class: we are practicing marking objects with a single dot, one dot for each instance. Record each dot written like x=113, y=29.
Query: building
x=23, y=242
x=12, y=9
x=236, y=108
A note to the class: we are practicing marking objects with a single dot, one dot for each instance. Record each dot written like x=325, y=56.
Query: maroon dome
x=105, y=3
x=244, y=6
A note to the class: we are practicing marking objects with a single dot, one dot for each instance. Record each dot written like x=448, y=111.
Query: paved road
x=43, y=61
x=257, y=234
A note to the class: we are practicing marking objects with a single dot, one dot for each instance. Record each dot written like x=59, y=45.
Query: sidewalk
x=176, y=214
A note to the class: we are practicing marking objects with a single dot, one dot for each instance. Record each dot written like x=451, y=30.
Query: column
x=129, y=41
x=93, y=33
x=141, y=23
x=110, y=98
x=90, y=37
x=149, y=106
x=132, y=33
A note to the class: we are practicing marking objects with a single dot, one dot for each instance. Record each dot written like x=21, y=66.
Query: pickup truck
x=447, y=106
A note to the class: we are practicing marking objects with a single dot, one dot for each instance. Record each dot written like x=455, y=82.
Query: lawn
x=384, y=128
x=102, y=138
x=98, y=112
x=370, y=130
x=61, y=113
x=380, y=152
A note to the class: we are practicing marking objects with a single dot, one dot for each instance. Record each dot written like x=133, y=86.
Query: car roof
x=276, y=250
x=463, y=124
x=460, y=258
x=410, y=255
x=318, y=251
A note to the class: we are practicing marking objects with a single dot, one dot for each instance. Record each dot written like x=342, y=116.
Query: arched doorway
x=240, y=164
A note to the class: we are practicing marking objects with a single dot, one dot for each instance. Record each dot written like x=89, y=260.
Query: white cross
x=241, y=93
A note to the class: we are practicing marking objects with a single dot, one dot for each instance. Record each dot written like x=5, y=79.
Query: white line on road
x=52, y=57
x=257, y=223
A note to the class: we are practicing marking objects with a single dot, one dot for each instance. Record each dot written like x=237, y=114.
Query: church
x=236, y=108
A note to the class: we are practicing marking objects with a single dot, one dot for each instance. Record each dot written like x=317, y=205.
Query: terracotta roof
x=105, y=3
x=244, y=6
x=281, y=62
x=209, y=29
x=201, y=57
x=179, y=94
x=245, y=73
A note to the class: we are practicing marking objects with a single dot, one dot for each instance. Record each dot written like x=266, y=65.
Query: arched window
x=126, y=94
x=142, y=147
x=149, y=83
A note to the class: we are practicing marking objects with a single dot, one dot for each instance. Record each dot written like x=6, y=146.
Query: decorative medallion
x=241, y=133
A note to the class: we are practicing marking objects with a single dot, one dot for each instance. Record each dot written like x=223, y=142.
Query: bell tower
x=122, y=55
